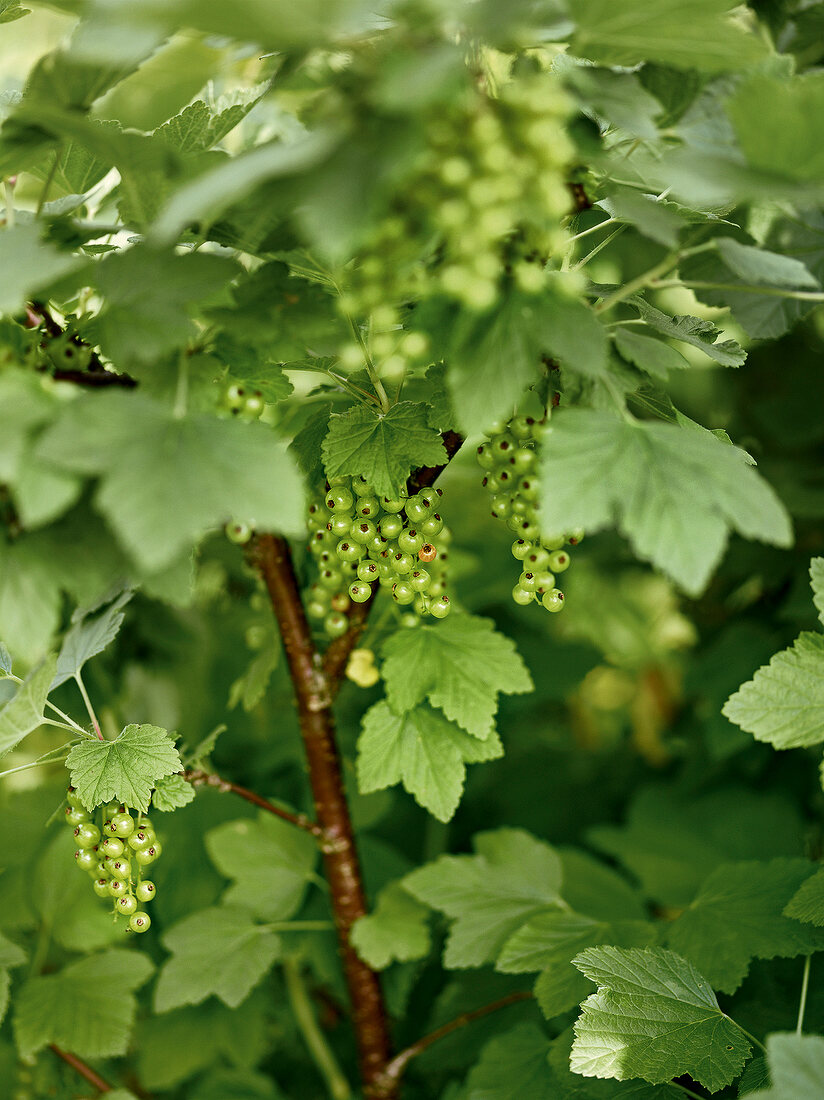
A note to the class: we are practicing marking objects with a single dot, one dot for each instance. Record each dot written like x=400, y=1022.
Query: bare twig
x=79, y=1066
x=200, y=778
x=396, y=1067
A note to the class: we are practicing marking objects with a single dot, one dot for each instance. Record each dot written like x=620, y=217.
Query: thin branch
x=88, y=703
x=200, y=778
x=802, y=1006
x=336, y=1084
x=396, y=1067
x=79, y=1066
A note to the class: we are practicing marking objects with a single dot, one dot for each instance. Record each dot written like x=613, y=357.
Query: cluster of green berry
x=358, y=540
x=243, y=403
x=509, y=461
x=490, y=190
x=115, y=851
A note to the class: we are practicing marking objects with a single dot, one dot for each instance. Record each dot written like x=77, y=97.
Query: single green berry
x=501, y=505
x=410, y=540
x=544, y=581
x=142, y=837
x=559, y=561
x=349, y=551
x=391, y=526
x=521, y=596
x=361, y=487
x=368, y=571
x=140, y=922
x=553, y=600
x=101, y=887
x=402, y=563
x=117, y=888
x=363, y=532
x=528, y=581
x=145, y=890
x=121, y=868
x=440, y=607
x=340, y=499
x=112, y=846
x=403, y=592
x=393, y=504
x=86, y=835
x=122, y=825
x=360, y=592
x=148, y=855
x=521, y=549
x=331, y=579
x=238, y=532
x=126, y=905
x=368, y=507
x=420, y=580
x=431, y=526
x=75, y=817
x=340, y=525
x=487, y=458
x=335, y=624
x=254, y=405
x=86, y=859
x=73, y=799
x=522, y=460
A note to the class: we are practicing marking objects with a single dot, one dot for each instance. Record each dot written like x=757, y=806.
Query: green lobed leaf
x=649, y=354
x=24, y=713
x=28, y=264
x=270, y=861
x=696, y=332
x=396, y=930
x=171, y=792
x=783, y=704
x=131, y=442
x=778, y=124
x=513, y=1066
x=460, y=665
x=817, y=581
x=5, y=659
x=89, y=636
x=738, y=916
x=495, y=356
x=674, y=493
x=87, y=1008
x=11, y=10
x=383, y=447
x=125, y=769
x=424, y=751
x=218, y=951
x=10, y=956
x=807, y=903
x=173, y=1047
x=489, y=895
x=695, y=34
x=796, y=1068
x=654, y=1016
x=147, y=299
x=672, y=842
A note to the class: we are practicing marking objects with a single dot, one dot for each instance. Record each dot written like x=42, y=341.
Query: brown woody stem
x=200, y=778
x=79, y=1066
x=398, y=1064
x=272, y=557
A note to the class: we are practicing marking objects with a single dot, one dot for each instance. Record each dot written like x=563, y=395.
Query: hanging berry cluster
x=484, y=205
x=509, y=461
x=115, y=850
x=358, y=540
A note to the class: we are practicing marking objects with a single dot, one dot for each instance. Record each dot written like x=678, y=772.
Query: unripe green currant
x=75, y=817
x=391, y=526
x=101, y=887
x=340, y=499
x=145, y=890
x=122, y=825
x=368, y=571
x=361, y=487
x=559, y=561
x=141, y=838
x=86, y=859
x=126, y=905
x=112, y=846
x=521, y=596
x=403, y=592
x=86, y=835
x=360, y=592
x=431, y=526
x=117, y=888
x=440, y=607
x=335, y=624
x=140, y=922
x=363, y=532
x=368, y=507
x=420, y=580
x=410, y=541
x=340, y=525
x=553, y=600
x=402, y=562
